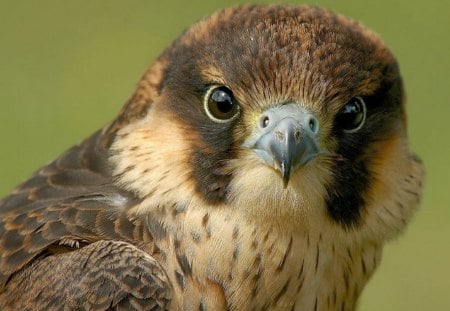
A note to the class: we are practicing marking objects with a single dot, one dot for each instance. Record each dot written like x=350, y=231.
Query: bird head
x=290, y=115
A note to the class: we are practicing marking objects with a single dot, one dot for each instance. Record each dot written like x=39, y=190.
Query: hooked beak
x=285, y=138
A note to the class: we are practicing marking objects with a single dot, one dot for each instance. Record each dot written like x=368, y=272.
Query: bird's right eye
x=220, y=105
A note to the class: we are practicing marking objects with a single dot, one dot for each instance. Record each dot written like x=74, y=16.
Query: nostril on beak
x=313, y=125
x=297, y=135
x=264, y=121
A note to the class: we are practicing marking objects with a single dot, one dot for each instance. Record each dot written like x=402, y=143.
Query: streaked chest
x=218, y=262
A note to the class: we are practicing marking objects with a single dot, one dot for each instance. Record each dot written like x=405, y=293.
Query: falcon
x=261, y=163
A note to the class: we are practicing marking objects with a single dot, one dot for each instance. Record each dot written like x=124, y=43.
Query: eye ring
x=219, y=104
x=352, y=123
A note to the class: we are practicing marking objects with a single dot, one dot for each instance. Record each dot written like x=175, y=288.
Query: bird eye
x=220, y=105
x=352, y=116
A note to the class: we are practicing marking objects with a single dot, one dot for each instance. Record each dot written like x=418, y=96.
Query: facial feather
x=288, y=57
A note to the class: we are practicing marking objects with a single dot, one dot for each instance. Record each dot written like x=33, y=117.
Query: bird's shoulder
x=105, y=275
x=69, y=203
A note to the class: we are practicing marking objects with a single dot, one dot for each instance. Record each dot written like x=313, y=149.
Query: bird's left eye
x=352, y=116
x=220, y=105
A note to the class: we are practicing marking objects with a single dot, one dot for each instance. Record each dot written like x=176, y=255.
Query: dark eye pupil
x=352, y=115
x=352, y=108
x=220, y=105
x=222, y=100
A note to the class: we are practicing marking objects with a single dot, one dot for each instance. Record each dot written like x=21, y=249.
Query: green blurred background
x=66, y=67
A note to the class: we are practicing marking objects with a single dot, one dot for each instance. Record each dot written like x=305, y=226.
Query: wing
x=106, y=275
x=65, y=207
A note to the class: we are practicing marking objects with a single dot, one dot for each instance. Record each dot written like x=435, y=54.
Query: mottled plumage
x=261, y=163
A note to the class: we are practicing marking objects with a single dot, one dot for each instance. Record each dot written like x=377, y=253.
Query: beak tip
x=286, y=174
x=285, y=182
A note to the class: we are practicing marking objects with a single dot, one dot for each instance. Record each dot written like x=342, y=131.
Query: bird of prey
x=262, y=163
